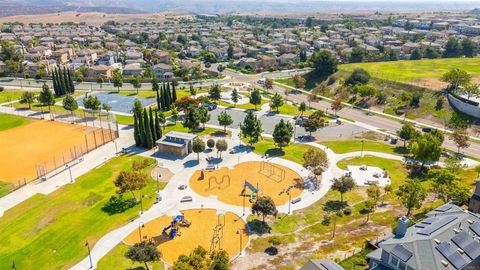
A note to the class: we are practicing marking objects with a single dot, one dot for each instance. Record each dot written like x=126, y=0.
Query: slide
x=253, y=189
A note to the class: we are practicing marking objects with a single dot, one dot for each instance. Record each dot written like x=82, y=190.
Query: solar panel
x=401, y=252
x=444, y=208
x=464, y=241
x=436, y=226
x=426, y=222
x=451, y=255
x=475, y=227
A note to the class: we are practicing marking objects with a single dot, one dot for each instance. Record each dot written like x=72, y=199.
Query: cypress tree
x=66, y=82
x=136, y=131
x=61, y=81
x=54, y=81
x=167, y=97
x=141, y=129
x=70, y=81
x=147, y=131
x=170, y=95
x=164, y=98
x=152, y=126
x=158, y=129
x=159, y=103
x=174, y=92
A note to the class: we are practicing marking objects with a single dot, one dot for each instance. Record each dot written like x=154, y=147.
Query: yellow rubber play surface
x=227, y=184
x=200, y=232
x=43, y=142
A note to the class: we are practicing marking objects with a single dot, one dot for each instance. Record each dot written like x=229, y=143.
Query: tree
x=117, y=79
x=210, y=143
x=309, y=22
x=343, y=185
x=136, y=131
x=324, y=63
x=220, y=261
x=276, y=102
x=251, y=127
x=106, y=107
x=264, y=206
x=230, y=51
x=358, y=76
x=316, y=161
x=299, y=81
x=137, y=107
x=411, y=195
x=70, y=104
x=175, y=114
x=470, y=90
x=469, y=47
x=337, y=105
x=456, y=77
x=268, y=84
x=314, y=122
x=143, y=252
x=221, y=146
x=461, y=138
x=147, y=130
x=302, y=108
x=198, y=146
x=416, y=54
x=374, y=193
x=369, y=207
x=192, y=90
x=426, y=147
x=92, y=103
x=357, y=55
x=136, y=82
x=28, y=98
x=453, y=48
x=224, y=119
x=215, y=92
x=130, y=181
x=46, y=96
x=282, y=134
x=407, y=133
x=204, y=115
x=255, y=98
x=158, y=118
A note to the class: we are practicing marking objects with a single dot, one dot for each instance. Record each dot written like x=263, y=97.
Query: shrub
x=347, y=211
x=138, y=165
x=326, y=220
x=339, y=213
x=211, y=143
x=2, y=88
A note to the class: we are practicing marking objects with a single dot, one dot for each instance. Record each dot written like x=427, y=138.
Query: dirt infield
x=227, y=184
x=44, y=144
x=200, y=232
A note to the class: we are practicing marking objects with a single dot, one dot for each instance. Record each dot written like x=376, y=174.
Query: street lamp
x=289, y=201
x=141, y=204
x=140, y=226
x=89, y=254
x=158, y=184
x=70, y=171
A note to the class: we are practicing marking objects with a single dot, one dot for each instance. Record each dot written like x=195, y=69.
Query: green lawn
x=7, y=96
x=5, y=188
x=180, y=128
x=11, y=121
x=124, y=119
x=115, y=260
x=49, y=232
x=246, y=106
x=342, y=147
x=408, y=70
x=293, y=152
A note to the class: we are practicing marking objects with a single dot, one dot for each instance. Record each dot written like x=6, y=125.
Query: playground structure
x=174, y=226
x=253, y=190
x=272, y=171
x=223, y=183
x=218, y=233
x=208, y=229
x=228, y=185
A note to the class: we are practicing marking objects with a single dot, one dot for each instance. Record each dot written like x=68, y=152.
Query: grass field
x=410, y=70
x=53, y=229
x=292, y=152
x=116, y=260
x=10, y=121
x=342, y=147
x=6, y=96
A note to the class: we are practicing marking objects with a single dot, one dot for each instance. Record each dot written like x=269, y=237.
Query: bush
x=339, y=213
x=211, y=143
x=326, y=220
x=347, y=211
x=2, y=88
x=331, y=80
x=140, y=164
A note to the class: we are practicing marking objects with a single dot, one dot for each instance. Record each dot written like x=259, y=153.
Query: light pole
x=89, y=254
x=140, y=226
x=14, y=267
x=70, y=172
x=289, y=201
x=241, y=242
x=158, y=185
x=141, y=204
x=243, y=195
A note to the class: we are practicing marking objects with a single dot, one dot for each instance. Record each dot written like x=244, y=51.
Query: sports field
x=420, y=72
x=200, y=232
x=227, y=184
x=32, y=145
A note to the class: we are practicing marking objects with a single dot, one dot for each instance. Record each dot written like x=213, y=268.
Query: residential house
x=448, y=239
x=252, y=63
x=288, y=58
x=160, y=69
x=133, y=69
x=267, y=61
x=104, y=71
x=162, y=56
x=323, y=264
x=287, y=48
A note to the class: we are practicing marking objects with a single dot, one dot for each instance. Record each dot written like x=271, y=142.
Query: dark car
x=210, y=106
x=427, y=129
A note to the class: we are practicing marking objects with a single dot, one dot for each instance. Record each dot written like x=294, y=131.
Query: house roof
x=181, y=135
x=323, y=264
x=449, y=235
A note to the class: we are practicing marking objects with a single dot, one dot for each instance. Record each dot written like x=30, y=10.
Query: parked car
x=210, y=106
x=182, y=187
x=426, y=129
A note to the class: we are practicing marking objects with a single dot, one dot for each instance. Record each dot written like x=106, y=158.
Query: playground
x=41, y=146
x=247, y=180
x=181, y=233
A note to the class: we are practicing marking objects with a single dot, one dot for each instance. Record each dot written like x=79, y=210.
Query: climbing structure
x=253, y=190
x=175, y=226
x=218, y=233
